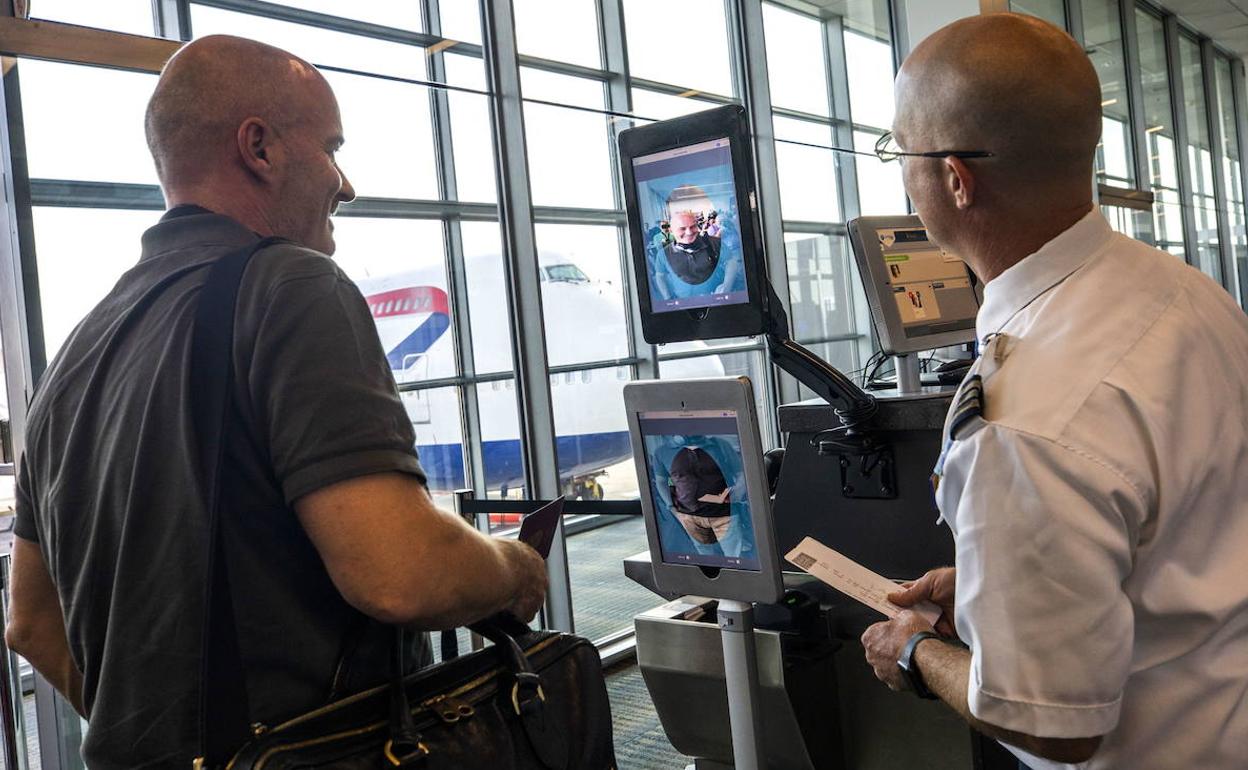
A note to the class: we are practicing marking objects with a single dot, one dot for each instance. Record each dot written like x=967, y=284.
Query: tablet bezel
x=730, y=393
x=884, y=315
x=741, y=320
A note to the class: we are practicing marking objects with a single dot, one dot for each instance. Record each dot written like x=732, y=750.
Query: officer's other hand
x=528, y=587
x=938, y=587
x=884, y=643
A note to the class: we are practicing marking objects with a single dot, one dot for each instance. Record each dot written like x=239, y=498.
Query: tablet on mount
x=697, y=247
x=704, y=496
x=921, y=296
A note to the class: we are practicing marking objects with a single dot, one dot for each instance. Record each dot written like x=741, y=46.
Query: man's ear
x=960, y=182
x=255, y=140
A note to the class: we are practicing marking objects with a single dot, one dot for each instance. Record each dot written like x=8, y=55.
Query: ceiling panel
x=1222, y=20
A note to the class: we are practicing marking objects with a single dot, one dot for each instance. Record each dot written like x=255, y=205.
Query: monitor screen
x=690, y=220
x=698, y=488
x=931, y=287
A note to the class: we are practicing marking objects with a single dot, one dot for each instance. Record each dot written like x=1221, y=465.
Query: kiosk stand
x=707, y=510
x=907, y=366
x=736, y=628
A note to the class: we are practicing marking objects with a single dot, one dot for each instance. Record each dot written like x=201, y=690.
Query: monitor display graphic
x=932, y=288
x=696, y=480
x=691, y=223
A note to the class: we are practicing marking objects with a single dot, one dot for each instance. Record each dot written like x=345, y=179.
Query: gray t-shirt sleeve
x=24, y=526
x=320, y=382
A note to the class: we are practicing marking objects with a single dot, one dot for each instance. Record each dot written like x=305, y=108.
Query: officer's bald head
x=210, y=87
x=1005, y=82
x=1012, y=85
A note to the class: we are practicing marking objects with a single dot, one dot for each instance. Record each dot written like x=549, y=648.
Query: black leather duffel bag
x=533, y=700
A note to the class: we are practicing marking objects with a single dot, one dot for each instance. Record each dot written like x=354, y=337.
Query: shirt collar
x=190, y=226
x=1035, y=274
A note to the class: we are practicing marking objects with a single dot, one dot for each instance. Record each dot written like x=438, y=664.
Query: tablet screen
x=932, y=288
x=697, y=484
x=690, y=222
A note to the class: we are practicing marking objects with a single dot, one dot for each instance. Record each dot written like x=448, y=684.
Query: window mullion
x=746, y=30
x=1208, y=68
x=524, y=295
x=1177, y=105
x=1241, y=129
x=842, y=128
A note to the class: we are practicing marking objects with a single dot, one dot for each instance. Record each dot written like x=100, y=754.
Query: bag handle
x=546, y=735
x=223, y=704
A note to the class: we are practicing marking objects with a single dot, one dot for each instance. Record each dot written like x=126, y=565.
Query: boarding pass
x=854, y=580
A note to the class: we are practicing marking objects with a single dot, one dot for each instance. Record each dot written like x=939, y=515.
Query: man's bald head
x=210, y=87
x=1008, y=83
x=251, y=132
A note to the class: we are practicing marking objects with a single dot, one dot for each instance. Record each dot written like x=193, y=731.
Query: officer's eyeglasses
x=887, y=149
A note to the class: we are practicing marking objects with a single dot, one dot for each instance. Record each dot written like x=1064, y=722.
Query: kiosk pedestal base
x=821, y=706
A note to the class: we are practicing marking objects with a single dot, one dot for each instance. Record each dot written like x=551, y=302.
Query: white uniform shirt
x=1100, y=508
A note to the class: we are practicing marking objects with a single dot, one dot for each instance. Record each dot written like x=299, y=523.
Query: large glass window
x=1102, y=31
x=797, y=83
x=389, y=137
x=563, y=30
x=1052, y=11
x=569, y=157
x=315, y=44
x=57, y=102
x=384, y=12
x=869, y=66
x=1163, y=168
x=400, y=268
x=132, y=16
x=80, y=253
x=486, y=279
x=1200, y=158
x=581, y=280
x=808, y=174
x=655, y=29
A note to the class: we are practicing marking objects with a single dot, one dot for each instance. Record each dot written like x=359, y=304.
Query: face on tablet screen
x=691, y=227
x=697, y=484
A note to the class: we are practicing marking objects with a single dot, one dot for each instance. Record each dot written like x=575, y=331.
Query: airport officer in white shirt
x=1095, y=474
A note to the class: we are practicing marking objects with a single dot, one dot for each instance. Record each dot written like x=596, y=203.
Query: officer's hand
x=528, y=588
x=938, y=587
x=884, y=643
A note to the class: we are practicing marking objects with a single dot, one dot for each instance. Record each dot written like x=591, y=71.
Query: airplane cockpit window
x=566, y=273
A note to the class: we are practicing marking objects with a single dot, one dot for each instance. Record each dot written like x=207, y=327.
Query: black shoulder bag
x=531, y=700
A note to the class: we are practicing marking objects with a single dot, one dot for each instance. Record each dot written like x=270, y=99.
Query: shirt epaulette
x=969, y=407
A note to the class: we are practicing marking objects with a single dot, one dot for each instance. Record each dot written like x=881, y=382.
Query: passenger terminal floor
x=640, y=743
x=603, y=599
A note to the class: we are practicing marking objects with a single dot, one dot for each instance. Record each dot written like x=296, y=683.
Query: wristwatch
x=910, y=670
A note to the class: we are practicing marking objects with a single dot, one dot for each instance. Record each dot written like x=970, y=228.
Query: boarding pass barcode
x=804, y=560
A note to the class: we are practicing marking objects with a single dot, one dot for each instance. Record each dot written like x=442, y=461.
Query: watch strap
x=910, y=670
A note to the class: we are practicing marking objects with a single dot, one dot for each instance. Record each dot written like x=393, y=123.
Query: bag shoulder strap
x=223, y=706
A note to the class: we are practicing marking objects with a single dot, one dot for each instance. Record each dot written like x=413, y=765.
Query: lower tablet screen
x=697, y=483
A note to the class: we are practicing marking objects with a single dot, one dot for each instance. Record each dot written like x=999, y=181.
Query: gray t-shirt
x=107, y=487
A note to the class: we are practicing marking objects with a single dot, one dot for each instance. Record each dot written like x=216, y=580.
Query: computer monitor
x=921, y=296
x=692, y=221
x=704, y=491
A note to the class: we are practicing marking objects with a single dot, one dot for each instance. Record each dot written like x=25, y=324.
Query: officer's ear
x=959, y=181
x=257, y=148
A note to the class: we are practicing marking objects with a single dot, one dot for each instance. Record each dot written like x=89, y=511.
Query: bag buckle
x=419, y=751
x=529, y=680
x=450, y=710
